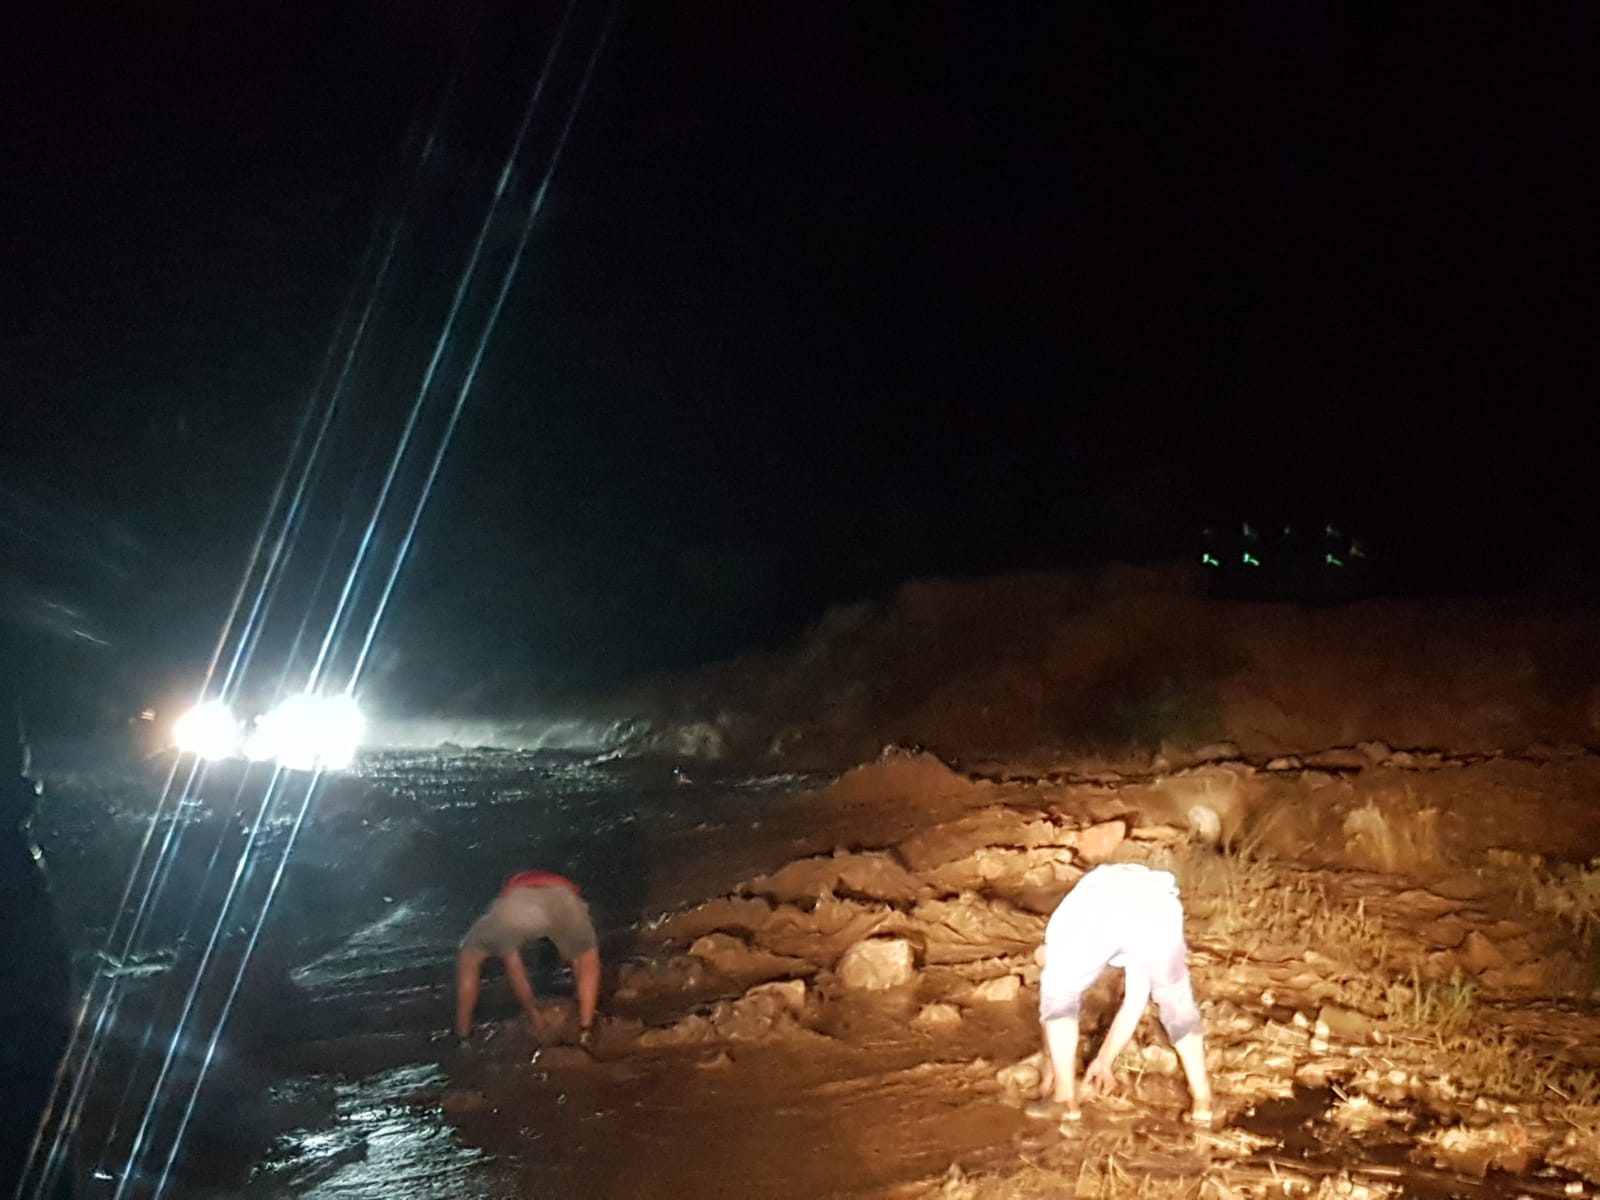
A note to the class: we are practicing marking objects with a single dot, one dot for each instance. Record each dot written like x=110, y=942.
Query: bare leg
x=586, y=970
x=469, y=963
x=1192, y=1054
x=517, y=974
x=1061, y=1040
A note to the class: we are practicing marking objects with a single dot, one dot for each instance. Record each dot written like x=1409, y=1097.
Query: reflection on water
x=388, y=1142
x=396, y=859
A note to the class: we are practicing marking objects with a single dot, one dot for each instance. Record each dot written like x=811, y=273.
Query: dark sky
x=824, y=297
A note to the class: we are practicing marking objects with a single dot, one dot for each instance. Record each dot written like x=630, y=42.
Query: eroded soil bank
x=1396, y=953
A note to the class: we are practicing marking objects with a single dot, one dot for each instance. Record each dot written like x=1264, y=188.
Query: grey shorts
x=529, y=913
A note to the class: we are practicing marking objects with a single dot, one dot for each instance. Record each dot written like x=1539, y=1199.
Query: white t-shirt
x=1119, y=915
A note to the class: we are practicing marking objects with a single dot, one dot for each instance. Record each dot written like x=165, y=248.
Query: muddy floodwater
x=821, y=987
x=332, y=1064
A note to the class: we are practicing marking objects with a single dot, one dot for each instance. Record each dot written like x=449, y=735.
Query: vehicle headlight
x=208, y=730
x=309, y=732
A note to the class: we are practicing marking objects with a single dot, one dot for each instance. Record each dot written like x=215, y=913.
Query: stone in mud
x=1375, y=752
x=937, y=1018
x=876, y=875
x=736, y=914
x=1003, y=989
x=1159, y=1059
x=731, y=956
x=1024, y=1076
x=992, y=828
x=1099, y=842
x=970, y=928
x=878, y=963
x=1445, y=933
x=999, y=868
x=759, y=1014
x=1503, y=1146
x=1343, y=1025
x=1523, y=977
x=1480, y=954
x=822, y=933
x=789, y=994
x=1286, y=762
x=693, y=1030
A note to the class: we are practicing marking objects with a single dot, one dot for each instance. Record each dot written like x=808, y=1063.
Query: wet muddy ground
x=817, y=991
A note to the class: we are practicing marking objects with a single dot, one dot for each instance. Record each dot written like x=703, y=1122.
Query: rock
x=1343, y=1024
x=789, y=994
x=1159, y=1059
x=1024, y=1076
x=971, y=928
x=693, y=1030
x=1217, y=752
x=1446, y=933
x=1205, y=824
x=1459, y=887
x=875, y=875
x=1480, y=954
x=1286, y=762
x=719, y=1061
x=878, y=963
x=760, y=1013
x=1099, y=842
x=1503, y=1146
x=1524, y=977
x=732, y=956
x=1000, y=868
x=1002, y=990
x=937, y=1018
x=994, y=828
x=1375, y=752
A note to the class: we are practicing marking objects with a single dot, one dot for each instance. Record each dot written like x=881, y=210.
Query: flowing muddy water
x=328, y=1077
x=1417, y=1030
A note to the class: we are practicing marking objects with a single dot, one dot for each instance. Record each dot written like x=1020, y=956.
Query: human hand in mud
x=1099, y=1076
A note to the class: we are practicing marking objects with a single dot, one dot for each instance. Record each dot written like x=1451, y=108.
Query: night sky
x=823, y=297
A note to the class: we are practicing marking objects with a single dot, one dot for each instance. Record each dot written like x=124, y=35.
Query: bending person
x=1129, y=916
x=531, y=906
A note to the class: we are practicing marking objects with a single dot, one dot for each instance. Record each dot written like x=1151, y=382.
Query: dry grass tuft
x=1385, y=840
x=1241, y=898
x=1568, y=892
x=1430, y=1005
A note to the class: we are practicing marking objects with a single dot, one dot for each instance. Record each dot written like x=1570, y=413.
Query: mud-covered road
x=1378, y=970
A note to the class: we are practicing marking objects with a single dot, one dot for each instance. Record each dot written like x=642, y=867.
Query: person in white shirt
x=1129, y=916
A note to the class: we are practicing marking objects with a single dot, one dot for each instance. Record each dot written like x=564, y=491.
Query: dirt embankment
x=1051, y=666
x=1397, y=1000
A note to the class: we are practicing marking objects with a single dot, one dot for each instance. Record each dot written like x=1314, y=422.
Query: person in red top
x=532, y=905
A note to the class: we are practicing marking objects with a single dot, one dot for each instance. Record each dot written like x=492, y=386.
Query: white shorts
x=1120, y=915
x=526, y=914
